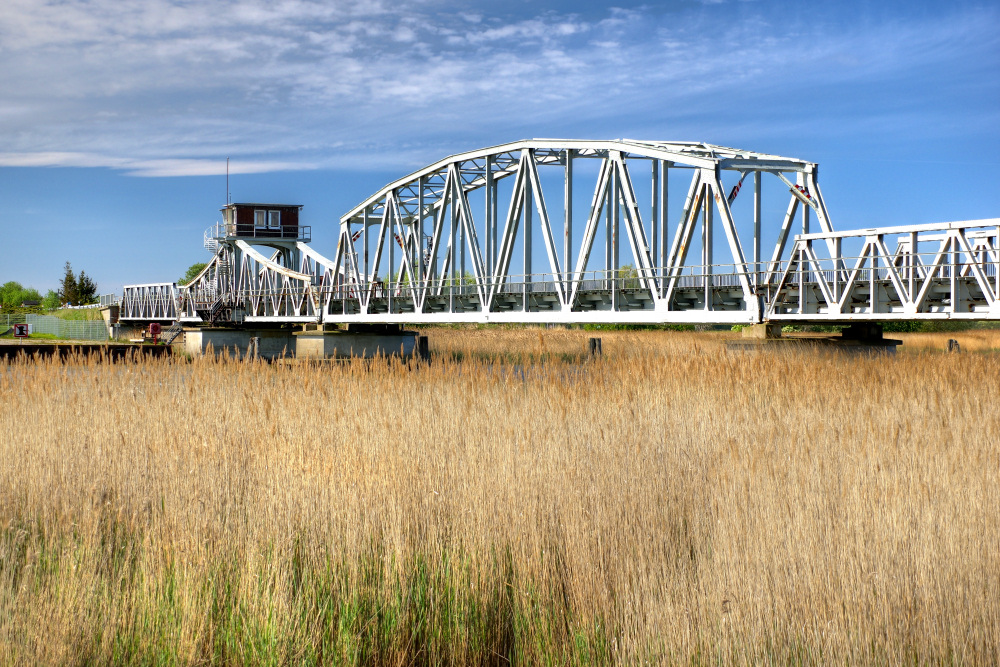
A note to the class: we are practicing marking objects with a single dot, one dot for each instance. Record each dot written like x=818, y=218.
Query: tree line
x=74, y=290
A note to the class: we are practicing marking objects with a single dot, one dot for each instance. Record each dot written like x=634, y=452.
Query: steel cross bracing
x=418, y=251
x=941, y=271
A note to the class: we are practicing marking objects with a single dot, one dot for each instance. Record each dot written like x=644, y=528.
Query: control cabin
x=267, y=221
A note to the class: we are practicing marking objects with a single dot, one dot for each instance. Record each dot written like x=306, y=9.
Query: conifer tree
x=86, y=290
x=68, y=288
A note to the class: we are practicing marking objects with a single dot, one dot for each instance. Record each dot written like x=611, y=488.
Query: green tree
x=67, y=289
x=51, y=300
x=86, y=290
x=30, y=294
x=192, y=273
x=13, y=294
x=10, y=294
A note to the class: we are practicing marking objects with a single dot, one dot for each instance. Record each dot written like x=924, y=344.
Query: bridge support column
x=867, y=337
x=272, y=343
x=864, y=338
x=364, y=341
x=763, y=331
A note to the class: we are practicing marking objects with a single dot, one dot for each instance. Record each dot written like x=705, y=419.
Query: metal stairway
x=172, y=332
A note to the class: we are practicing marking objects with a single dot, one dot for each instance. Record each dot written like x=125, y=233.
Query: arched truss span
x=419, y=250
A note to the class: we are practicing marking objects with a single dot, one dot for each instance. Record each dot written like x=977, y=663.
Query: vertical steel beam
x=801, y=181
x=383, y=230
x=421, y=235
x=607, y=226
x=706, y=243
x=452, y=241
x=756, y=229
x=873, y=276
x=491, y=218
x=436, y=279
x=954, y=271
x=389, y=218
x=654, y=217
x=912, y=267
x=364, y=243
x=568, y=219
x=796, y=256
x=837, y=259
x=527, y=205
x=461, y=236
x=613, y=202
x=363, y=290
x=493, y=225
x=663, y=222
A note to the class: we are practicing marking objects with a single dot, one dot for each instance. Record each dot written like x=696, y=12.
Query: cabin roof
x=260, y=205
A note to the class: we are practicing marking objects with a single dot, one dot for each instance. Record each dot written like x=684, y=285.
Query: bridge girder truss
x=938, y=271
x=429, y=215
x=443, y=261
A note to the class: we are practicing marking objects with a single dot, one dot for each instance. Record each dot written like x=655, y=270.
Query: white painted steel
x=946, y=271
x=436, y=270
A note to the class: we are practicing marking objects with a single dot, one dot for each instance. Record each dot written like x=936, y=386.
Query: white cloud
x=158, y=87
x=140, y=167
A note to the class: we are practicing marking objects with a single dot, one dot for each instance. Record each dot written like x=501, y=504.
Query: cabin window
x=260, y=218
x=274, y=219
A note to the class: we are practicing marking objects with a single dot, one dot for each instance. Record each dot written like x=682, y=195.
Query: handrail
x=229, y=230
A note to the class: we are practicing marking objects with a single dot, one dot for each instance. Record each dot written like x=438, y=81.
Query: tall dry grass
x=670, y=502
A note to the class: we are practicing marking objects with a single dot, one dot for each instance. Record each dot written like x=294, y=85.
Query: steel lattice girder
x=802, y=281
x=937, y=271
x=666, y=288
x=149, y=302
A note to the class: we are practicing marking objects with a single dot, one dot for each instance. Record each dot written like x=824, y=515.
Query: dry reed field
x=670, y=502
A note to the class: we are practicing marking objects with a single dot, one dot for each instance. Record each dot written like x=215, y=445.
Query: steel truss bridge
x=420, y=251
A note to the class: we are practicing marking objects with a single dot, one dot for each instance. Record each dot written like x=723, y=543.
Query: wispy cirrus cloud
x=149, y=167
x=160, y=87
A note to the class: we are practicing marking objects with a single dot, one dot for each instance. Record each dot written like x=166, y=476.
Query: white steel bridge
x=493, y=235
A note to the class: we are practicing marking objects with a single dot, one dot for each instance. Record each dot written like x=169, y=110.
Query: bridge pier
x=762, y=331
x=867, y=337
x=357, y=340
x=271, y=343
x=859, y=338
x=364, y=341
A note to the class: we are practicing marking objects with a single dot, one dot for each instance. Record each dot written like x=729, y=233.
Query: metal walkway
x=455, y=242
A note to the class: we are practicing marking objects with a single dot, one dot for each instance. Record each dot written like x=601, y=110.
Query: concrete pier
x=274, y=343
x=317, y=343
x=355, y=342
x=861, y=338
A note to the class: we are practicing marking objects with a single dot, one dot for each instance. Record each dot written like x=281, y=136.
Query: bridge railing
x=230, y=230
x=692, y=276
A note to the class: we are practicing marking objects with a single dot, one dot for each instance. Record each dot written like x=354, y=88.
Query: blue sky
x=116, y=116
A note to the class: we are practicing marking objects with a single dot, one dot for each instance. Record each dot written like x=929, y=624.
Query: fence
x=56, y=326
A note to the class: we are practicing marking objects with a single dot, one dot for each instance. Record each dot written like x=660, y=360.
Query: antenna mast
x=229, y=195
